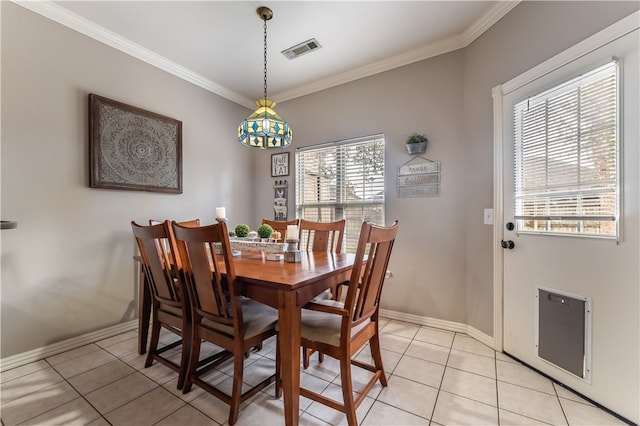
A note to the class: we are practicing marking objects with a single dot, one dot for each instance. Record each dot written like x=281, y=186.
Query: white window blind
x=566, y=157
x=343, y=180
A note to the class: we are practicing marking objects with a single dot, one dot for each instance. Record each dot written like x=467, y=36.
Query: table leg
x=144, y=312
x=289, y=338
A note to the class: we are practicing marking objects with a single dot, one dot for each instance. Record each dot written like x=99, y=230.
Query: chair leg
x=236, y=392
x=337, y=292
x=194, y=357
x=374, y=345
x=153, y=345
x=347, y=391
x=306, y=354
x=184, y=358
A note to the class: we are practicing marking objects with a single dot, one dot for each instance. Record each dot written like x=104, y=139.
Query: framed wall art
x=133, y=149
x=280, y=164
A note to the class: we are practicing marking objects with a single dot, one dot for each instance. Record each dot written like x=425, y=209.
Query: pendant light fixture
x=264, y=128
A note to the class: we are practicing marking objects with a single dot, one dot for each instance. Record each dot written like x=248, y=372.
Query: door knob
x=507, y=244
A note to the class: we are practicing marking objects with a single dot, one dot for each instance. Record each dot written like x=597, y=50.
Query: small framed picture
x=280, y=164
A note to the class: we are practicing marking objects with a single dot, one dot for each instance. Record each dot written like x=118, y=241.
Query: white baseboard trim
x=85, y=339
x=37, y=354
x=442, y=324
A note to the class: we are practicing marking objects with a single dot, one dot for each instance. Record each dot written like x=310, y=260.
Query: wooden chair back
x=281, y=226
x=372, y=258
x=171, y=242
x=154, y=244
x=202, y=273
x=321, y=236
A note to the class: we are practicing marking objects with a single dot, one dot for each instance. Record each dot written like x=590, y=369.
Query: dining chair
x=340, y=329
x=169, y=305
x=321, y=236
x=280, y=226
x=220, y=315
x=144, y=311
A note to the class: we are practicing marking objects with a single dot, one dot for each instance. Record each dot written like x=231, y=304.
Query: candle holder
x=292, y=255
x=221, y=219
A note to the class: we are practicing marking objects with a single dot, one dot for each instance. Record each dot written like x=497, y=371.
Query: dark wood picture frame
x=133, y=149
x=280, y=164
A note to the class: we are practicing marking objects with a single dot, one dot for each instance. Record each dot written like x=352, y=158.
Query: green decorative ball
x=265, y=231
x=242, y=230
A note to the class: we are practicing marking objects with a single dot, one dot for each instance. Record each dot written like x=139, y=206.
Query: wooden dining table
x=286, y=287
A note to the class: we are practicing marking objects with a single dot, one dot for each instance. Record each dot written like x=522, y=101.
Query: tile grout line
x=566, y=419
x=435, y=403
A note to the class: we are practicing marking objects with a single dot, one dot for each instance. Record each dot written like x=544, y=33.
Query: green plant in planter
x=415, y=138
x=242, y=230
x=265, y=231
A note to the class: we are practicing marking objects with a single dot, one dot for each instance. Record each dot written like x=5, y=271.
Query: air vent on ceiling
x=301, y=49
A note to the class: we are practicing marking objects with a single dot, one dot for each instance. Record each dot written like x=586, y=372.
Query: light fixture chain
x=265, y=59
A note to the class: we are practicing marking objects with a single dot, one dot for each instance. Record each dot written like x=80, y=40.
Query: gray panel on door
x=561, y=331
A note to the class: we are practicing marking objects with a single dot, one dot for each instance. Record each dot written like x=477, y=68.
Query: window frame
x=341, y=203
x=561, y=88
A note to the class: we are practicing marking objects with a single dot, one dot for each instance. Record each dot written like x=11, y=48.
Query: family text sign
x=419, y=179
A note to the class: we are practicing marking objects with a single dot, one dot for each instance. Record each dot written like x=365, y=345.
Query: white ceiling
x=219, y=44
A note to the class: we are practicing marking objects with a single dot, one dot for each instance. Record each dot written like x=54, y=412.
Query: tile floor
x=436, y=377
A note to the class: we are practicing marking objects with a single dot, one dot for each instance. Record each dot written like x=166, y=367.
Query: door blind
x=566, y=157
x=343, y=180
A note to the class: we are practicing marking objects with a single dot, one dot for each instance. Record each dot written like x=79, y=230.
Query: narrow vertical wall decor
x=280, y=197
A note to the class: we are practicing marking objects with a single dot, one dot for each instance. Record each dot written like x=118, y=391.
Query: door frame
x=613, y=32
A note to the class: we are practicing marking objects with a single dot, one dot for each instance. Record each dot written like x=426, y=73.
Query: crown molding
x=486, y=21
x=429, y=51
x=62, y=16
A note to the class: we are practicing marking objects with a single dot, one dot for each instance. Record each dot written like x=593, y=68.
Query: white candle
x=220, y=213
x=292, y=232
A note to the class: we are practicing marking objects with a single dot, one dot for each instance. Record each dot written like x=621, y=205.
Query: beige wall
x=67, y=269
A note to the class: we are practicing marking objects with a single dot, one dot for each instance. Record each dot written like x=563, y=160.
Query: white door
x=604, y=270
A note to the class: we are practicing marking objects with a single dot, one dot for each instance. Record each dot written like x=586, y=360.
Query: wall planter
x=416, y=144
x=416, y=148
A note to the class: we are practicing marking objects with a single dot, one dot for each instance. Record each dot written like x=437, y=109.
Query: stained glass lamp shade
x=264, y=128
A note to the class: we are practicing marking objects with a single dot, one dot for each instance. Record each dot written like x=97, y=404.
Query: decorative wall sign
x=419, y=191
x=419, y=168
x=280, y=164
x=133, y=149
x=280, y=196
x=419, y=178
x=414, y=180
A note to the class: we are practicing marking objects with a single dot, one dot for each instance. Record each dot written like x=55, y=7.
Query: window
x=566, y=157
x=343, y=180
